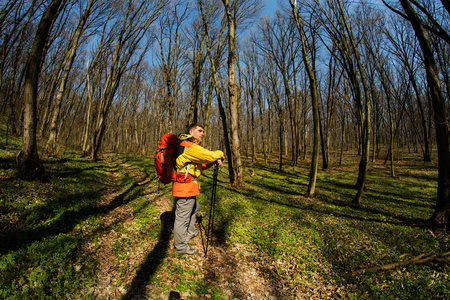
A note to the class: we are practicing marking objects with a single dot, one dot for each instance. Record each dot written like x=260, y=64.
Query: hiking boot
x=189, y=251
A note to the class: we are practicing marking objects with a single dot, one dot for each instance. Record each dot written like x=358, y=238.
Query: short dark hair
x=193, y=126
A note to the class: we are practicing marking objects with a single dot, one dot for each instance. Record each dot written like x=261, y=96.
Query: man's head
x=197, y=131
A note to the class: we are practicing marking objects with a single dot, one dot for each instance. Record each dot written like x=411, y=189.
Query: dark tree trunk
x=441, y=214
x=29, y=166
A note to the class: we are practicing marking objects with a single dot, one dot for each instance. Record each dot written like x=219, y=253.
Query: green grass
x=52, y=233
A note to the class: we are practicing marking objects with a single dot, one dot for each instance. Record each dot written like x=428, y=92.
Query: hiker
x=191, y=160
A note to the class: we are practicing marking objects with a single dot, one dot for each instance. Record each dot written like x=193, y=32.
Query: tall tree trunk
x=296, y=137
x=387, y=91
x=426, y=150
x=391, y=134
x=29, y=165
x=315, y=105
x=197, y=65
x=376, y=126
x=343, y=132
x=207, y=109
x=253, y=129
x=276, y=100
x=281, y=136
x=110, y=89
x=363, y=109
x=261, y=118
x=323, y=145
x=304, y=128
x=16, y=84
x=223, y=115
x=441, y=214
x=232, y=91
x=169, y=42
x=85, y=148
x=169, y=99
x=288, y=97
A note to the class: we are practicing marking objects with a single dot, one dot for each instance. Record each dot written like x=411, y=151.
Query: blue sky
x=269, y=8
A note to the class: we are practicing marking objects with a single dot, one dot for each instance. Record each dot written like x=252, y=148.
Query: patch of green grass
x=40, y=252
x=208, y=291
x=325, y=237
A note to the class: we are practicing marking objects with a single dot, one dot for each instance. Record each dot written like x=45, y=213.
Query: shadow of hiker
x=154, y=259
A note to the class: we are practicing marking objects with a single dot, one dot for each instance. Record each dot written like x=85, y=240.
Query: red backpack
x=164, y=166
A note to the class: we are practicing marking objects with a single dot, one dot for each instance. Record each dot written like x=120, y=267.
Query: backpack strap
x=179, y=150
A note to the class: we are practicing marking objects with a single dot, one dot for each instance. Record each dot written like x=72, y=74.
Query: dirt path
x=232, y=270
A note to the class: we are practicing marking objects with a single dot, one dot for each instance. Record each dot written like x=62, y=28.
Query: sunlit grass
x=328, y=237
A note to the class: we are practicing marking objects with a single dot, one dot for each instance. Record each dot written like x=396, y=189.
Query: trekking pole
x=211, y=210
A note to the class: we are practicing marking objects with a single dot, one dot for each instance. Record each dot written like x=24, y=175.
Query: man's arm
x=198, y=154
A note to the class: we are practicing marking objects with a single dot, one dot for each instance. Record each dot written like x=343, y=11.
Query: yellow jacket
x=193, y=159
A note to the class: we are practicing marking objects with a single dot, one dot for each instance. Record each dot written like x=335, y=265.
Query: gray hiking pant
x=186, y=212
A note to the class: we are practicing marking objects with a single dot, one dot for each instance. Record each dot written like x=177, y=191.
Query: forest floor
x=103, y=230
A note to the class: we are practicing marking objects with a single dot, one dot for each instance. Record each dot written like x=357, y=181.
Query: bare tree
x=69, y=60
x=276, y=100
x=197, y=58
x=277, y=40
x=406, y=49
x=341, y=32
x=442, y=210
x=328, y=110
x=314, y=99
x=232, y=93
x=250, y=77
x=171, y=49
x=131, y=29
x=29, y=165
x=16, y=38
x=213, y=61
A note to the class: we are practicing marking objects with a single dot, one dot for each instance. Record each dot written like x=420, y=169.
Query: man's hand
x=220, y=161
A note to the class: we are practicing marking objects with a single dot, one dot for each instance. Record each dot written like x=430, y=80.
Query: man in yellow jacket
x=191, y=160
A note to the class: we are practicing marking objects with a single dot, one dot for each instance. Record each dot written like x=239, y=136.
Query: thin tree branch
x=420, y=259
x=396, y=10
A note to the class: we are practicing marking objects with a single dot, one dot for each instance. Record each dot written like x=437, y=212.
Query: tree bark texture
x=315, y=105
x=223, y=115
x=232, y=91
x=29, y=165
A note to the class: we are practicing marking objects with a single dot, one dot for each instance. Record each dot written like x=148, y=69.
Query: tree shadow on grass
x=395, y=219
x=220, y=222
x=7, y=163
x=75, y=172
x=149, y=267
x=292, y=200
x=14, y=240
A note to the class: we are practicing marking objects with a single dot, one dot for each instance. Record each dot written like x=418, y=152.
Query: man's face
x=197, y=133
